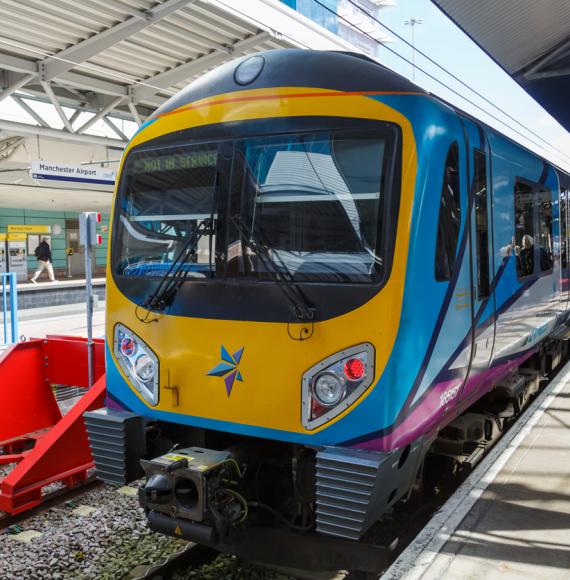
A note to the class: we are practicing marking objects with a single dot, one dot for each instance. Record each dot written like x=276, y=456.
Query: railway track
x=49, y=500
x=191, y=556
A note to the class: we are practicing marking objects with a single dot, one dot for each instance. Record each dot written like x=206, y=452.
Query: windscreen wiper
x=177, y=273
x=300, y=307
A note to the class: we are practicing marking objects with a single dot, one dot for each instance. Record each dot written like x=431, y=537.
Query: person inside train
x=525, y=256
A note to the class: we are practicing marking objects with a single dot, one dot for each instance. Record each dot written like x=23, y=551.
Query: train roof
x=335, y=70
x=340, y=71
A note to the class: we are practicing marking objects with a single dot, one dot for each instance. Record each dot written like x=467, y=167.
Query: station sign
x=76, y=173
x=28, y=229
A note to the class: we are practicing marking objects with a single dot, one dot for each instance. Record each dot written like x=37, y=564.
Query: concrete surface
x=70, y=319
x=519, y=527
x=61, y=292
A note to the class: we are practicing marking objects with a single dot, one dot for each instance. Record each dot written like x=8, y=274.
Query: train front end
x=256, y=273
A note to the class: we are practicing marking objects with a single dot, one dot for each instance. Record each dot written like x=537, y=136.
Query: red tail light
x=354, y=369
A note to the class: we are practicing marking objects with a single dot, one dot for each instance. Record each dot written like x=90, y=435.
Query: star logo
x=228, y=368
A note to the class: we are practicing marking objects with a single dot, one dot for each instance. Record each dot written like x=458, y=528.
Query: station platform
x=61, y=292
x=511, y=518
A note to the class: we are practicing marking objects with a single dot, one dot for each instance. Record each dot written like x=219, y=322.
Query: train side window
x=524, y=229
x=545, y=240
x=481, y=223
x=449, y=220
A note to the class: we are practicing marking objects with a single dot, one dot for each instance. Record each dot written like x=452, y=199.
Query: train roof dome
x=287, y=67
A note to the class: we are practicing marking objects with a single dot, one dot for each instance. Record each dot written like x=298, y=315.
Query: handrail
x=9, y=307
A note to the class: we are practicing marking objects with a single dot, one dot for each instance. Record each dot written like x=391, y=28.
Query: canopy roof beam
x=100, y=114
x=86, y=49
x=115, y=129
x=188, y=69
x=135, y=113
x=540, y=64
x=58, y=107
x=24, y=129
x=24, y=79
x=35, y=116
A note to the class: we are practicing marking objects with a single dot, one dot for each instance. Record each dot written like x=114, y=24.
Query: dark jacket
x=43, y=252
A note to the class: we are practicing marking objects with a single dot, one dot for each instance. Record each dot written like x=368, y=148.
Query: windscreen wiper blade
x=300, y=307
x=177, y=273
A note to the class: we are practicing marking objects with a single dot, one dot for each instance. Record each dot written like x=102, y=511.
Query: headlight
x=335, y=383
x=328, y=389
x=138, y=362
x=144, y=368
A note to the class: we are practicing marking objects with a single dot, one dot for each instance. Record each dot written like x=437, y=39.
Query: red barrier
x=47, y=447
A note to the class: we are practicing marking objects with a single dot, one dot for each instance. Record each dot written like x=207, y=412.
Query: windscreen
x=317, y=204
x=167, y=194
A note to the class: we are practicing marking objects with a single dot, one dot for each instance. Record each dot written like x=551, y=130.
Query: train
x=325, y=287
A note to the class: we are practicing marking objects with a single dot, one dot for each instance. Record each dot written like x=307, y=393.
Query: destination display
x=176, y=161
x=28, y=229
x=77, y=173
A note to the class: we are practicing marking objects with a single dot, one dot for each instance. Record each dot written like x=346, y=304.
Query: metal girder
x=75, y=80
x=14, y=128
x=104, y=87
x=135, y=113
x=114, y=128
x=31, y=111
x=17, y=84
x=8, y=147
x=101, y=113
x=54, y=66
x=90, y=103
x=548, y=74
x=17, y=64
x=539, y=66
x=57, y=106
x=194, y=67
x=75, y=114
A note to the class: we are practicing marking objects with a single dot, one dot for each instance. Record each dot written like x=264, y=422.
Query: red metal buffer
x=46, y=446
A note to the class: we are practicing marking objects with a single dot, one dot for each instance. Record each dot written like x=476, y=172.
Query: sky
x=445, y=43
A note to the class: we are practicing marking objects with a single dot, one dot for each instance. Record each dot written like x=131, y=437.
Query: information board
x=17, y=260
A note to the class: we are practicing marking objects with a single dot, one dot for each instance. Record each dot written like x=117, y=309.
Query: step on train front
x=315, y=270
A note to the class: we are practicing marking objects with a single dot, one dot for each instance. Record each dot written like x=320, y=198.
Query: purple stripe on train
x=444, y=402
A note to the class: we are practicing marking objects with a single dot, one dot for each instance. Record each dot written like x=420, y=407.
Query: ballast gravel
x=106, y=544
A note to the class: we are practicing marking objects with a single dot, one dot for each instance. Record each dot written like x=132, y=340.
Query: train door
x=564, y=242
x=481, y=248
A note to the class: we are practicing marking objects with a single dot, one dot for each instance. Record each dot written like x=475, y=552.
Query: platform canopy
x=530, y=39
x=117, y=58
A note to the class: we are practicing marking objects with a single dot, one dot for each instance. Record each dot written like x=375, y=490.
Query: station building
x=41, y=198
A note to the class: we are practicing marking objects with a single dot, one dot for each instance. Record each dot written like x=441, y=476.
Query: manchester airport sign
x=76, y=173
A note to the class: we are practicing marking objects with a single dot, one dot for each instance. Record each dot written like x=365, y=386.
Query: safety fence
x=9, y=329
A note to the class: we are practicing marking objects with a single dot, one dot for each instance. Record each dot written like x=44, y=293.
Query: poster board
x=33, y=243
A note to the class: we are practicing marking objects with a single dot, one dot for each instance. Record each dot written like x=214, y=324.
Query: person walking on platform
x=43, y=254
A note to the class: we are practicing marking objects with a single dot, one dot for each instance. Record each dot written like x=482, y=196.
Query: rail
x=9, y=308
